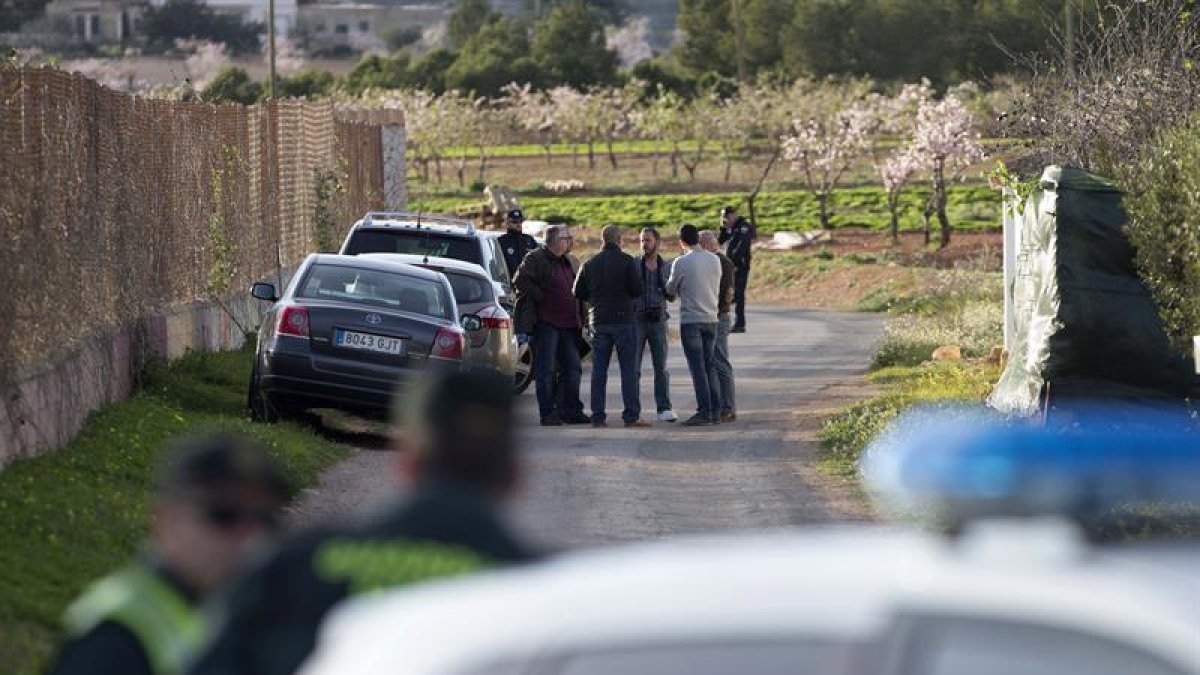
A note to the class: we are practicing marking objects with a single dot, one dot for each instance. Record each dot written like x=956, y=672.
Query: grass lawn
x=970, y=208
x=71, y=516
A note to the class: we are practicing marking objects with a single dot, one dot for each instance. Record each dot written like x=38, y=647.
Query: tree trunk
x=929, y=209
x=483, y=160
x=591, y=154
x=728, y=167
x=939, y=196
x=893, y=206
x=547, y=149
x=823, y=208
x=758, y=186
x=437, y=163
x=675, y=161
x=612, y=156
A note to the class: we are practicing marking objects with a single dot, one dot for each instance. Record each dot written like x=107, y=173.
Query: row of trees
x=945, y=40
x=820, y=130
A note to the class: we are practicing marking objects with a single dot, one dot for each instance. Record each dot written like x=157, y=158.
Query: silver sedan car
x=494, y=344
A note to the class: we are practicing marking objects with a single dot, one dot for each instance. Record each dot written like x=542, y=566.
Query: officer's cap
x=516, y=215
x=208, y=460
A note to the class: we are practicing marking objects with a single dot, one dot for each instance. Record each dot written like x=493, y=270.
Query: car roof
x=380, y=265
x=414, y=221
x=835, y=582
x=436, y=261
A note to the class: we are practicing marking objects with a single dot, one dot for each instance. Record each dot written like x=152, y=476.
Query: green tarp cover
x=1083, y=320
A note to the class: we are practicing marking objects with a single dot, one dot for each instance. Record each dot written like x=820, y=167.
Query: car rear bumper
x=294, y=378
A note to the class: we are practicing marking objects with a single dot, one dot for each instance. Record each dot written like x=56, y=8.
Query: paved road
x=590, y=486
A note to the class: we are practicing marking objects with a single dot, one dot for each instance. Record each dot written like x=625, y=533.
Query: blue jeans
x=656, y=335
x=724, y=367
x=620, y=336
x=699, y=346
x=556, y=352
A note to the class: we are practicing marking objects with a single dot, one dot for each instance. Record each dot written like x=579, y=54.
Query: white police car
x=1005, y=596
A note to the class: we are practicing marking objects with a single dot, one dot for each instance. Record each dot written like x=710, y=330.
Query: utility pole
x=271, y=47
x=737, y=36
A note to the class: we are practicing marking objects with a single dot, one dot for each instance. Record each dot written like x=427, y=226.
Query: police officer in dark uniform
x=455, y=437
x=514, y=242
x=218, y=495
x=739, y=233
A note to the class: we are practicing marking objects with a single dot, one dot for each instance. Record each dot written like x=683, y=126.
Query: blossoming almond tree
x=822, y=148
x=532, y=112
x=945, y=140
x=897, y=171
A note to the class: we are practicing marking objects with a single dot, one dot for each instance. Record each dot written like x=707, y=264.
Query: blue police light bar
x=956, y=464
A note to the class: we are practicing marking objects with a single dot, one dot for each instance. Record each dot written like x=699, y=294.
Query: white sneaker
x=667, y=416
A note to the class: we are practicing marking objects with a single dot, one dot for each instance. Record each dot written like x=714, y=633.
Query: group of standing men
x=626, y=302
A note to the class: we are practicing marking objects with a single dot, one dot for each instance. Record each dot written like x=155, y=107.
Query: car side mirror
x=264, y=291
x=471, y=322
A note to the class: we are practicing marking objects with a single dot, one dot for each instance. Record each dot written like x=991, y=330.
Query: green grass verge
x=971, y=207
x=846, y=434
x=71, y=516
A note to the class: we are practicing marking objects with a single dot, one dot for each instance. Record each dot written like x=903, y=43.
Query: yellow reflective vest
x=163, y=621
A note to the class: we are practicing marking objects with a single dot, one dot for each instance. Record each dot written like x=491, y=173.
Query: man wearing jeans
x=608, y=283
x=708, y=241
x=650, y=320
x=695, y=280
x=547, y=308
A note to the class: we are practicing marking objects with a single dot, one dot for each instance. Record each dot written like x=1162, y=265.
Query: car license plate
x=368, y=342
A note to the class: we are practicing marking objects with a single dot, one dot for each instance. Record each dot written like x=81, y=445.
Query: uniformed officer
x=515, y=243
x=739, y=233
x=218, y=495
x=455, y=442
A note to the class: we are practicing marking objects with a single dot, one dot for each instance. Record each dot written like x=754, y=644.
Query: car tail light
x=293, y=320
x=495, y=318
x=450, y=343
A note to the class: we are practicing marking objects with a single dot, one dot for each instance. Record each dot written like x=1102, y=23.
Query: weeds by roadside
x=69, y=517
x=960, y=308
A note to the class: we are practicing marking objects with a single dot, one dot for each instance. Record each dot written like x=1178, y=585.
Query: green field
x=73, y=515
x=971, y=207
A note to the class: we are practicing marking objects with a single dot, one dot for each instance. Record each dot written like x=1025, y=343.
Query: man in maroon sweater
x=548, y=310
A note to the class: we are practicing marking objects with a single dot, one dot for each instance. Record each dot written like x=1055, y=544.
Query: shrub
x=1163, y=203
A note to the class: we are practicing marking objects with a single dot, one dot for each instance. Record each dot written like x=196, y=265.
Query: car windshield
x=415, y=242
x=379, y=288
x=469, y=289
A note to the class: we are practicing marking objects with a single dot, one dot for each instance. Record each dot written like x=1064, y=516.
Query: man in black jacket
x=608, y=283
x=456, y=443
x=514, y=243
x=740, y=234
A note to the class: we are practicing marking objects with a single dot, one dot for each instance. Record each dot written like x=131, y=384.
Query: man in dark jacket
x=739, y=233
x=218, y=495
x=456, y=444
x=608, y=283
x=548, y=310
x=514, y=243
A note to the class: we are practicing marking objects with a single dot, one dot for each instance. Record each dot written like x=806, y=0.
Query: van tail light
x=293, y=320
x=450, y=343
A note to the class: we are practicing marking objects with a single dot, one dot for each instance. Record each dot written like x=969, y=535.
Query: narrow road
x=589, y=486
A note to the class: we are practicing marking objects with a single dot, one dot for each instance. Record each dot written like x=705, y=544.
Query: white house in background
x=354, y=24
x=254, y=10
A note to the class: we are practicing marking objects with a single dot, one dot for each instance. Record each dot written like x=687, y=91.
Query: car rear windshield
x=469, y=289
x=415, y=242
x=378, y=288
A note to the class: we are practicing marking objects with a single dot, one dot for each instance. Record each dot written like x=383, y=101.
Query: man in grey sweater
x=695, y=280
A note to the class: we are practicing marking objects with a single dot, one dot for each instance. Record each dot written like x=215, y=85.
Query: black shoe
x=551, y=421
x=697, y=420
x=599, y=423
x=578, y=418
x=728, y=416
x=738, y=329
